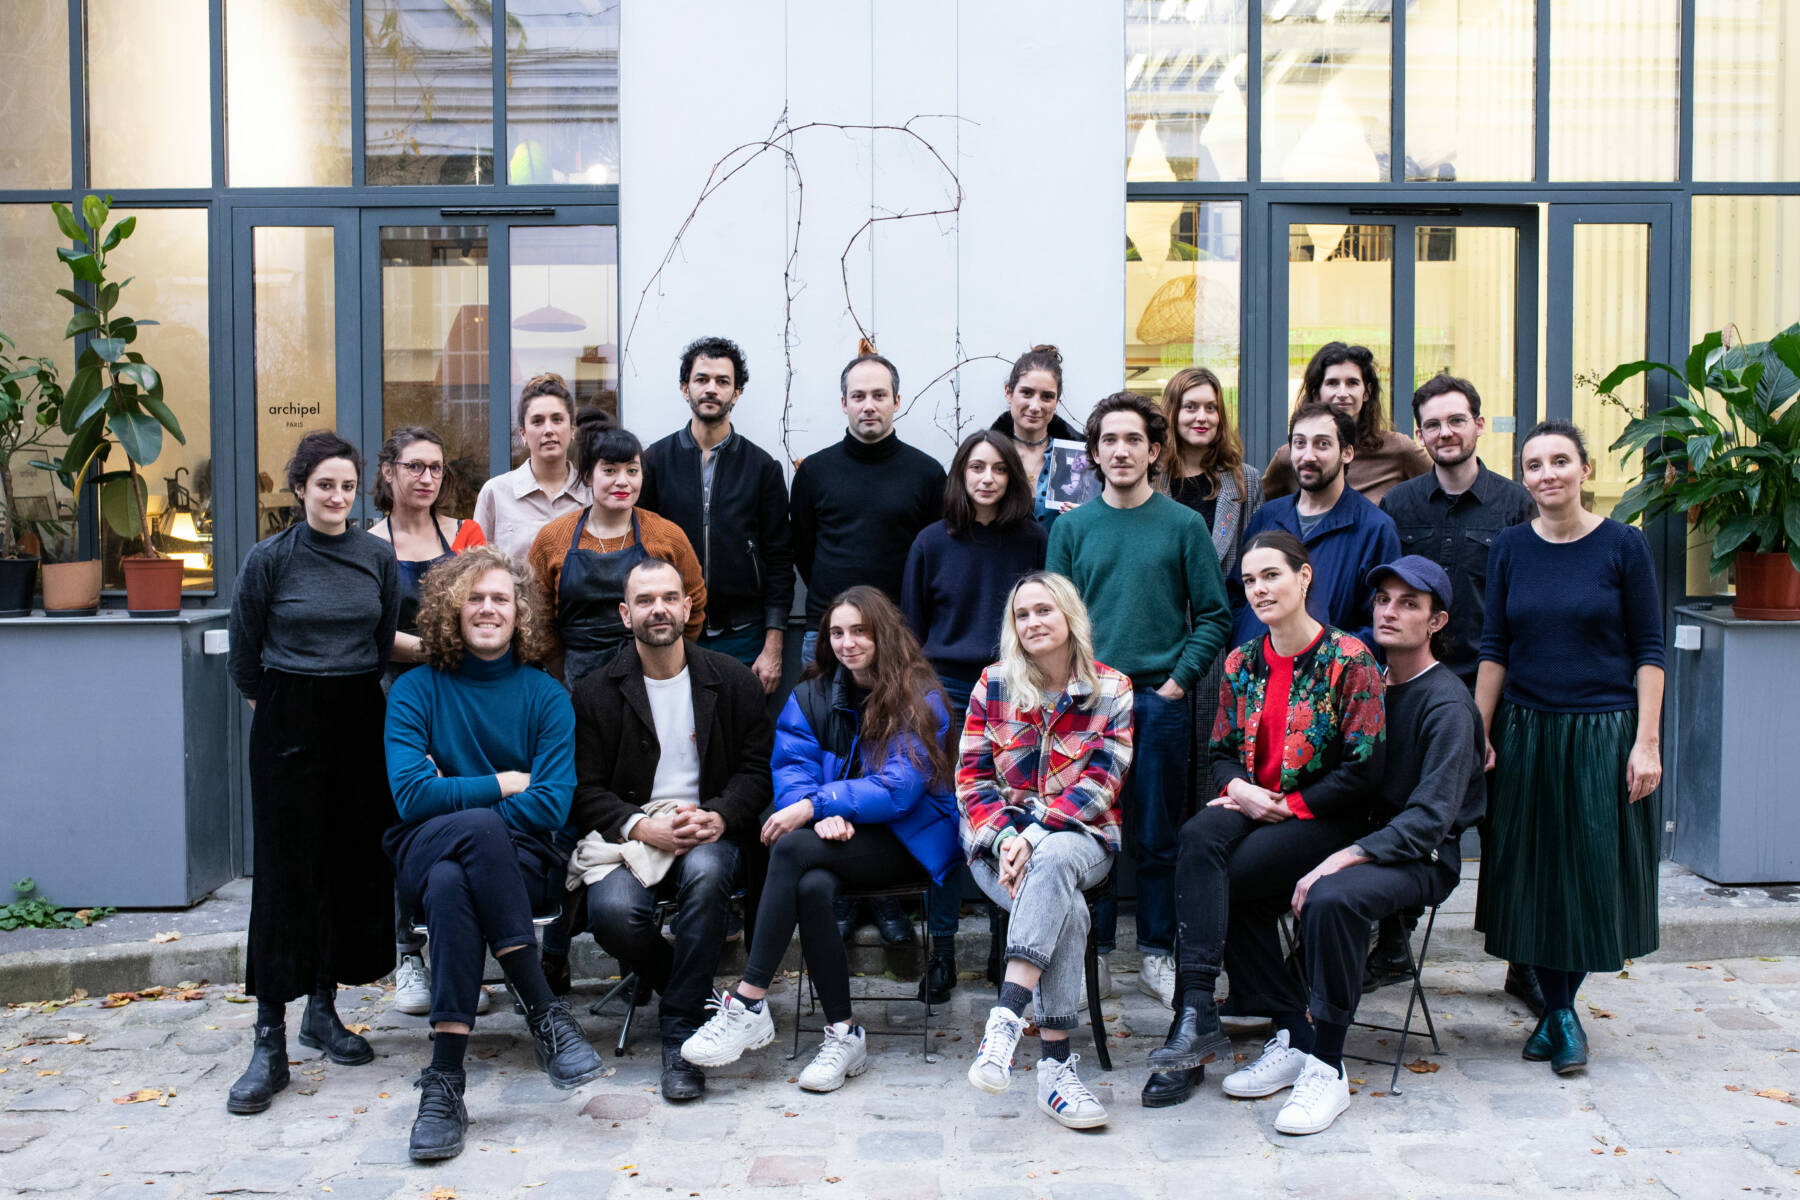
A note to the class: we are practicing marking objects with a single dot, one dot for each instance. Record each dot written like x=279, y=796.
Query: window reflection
x=32, y=316
x=149, y=94
x=1182, y=269
x=565, y=286
x=1326, y=77
x=1610, y=314
x=1186, y=72
x=428, y=79
x=1746, y=102
x=1465, y=307
x=562, y=91
x=1340, y=289
x=1615, y=88
x=295, y=315
x=287, y=93
x=1470, y=89
x=34, y=94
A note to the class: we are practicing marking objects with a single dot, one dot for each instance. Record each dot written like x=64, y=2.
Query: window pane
x=1465, y=301
x=33, y=317
x=34, y=94
x=1340, y=289
x=1326, y=78
x=287, y=93
x=1470, y=89
x=565, y=287
x=1183, y=268
x=1746, y=102
x=295, y=323
x=1615, y=88
x=1611, y=306
x=434, y=347
x=562, y=91
x=166, y=258
x=1187, y=67
x=149, y=93
x=428, y=92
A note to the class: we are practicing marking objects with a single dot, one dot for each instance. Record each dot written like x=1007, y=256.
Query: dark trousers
x=1334, y=925
x=621, y=915
x=1152, y=802
x=804, y=873
x=1235, y=879
x=477, y=883
x=405, y=940
x=943, y=903
x=744, y=644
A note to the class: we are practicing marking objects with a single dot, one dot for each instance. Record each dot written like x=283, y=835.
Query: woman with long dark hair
x=863, y=796
x=1345, y=378
x=312, y=624
x=1033, y=392
x=1570, y=690
x=513, y=507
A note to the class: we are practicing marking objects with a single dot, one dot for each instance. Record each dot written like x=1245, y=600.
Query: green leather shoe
x=1537, y=1046
x=1569, y=1044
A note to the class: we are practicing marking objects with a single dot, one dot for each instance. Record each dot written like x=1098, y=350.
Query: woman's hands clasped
x=1259, y=804
x=1015, y=852
x=785, y=820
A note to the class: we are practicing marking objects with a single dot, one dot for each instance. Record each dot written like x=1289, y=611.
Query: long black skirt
x=322, y=897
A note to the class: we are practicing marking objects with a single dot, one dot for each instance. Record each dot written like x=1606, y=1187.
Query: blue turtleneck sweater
x=449, y=733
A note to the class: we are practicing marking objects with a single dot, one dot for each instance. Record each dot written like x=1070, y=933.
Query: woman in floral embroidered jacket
x=1298, y=749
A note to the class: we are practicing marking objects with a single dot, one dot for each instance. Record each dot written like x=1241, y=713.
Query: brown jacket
x=1372, y=473
x=662, y=539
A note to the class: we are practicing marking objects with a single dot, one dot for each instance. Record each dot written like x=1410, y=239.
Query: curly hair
x=716, y=347
x=1156, y=426
x=1371, y=418
x=389, y=456
x=446, y=589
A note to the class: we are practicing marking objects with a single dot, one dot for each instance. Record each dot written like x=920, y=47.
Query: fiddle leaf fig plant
x=30, y=407
x=115, y=397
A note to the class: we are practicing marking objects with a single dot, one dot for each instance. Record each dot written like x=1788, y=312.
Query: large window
x=287, y=93
x=1470, y=89
x=1327, y=76
x=1183, y=263
x=34, y=94
x=149, y=94
x=1615, y=89
x=1186, y=77
x=1746, y=98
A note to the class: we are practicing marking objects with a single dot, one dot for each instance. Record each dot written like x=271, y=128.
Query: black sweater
x=1435, y=785
x=954, y=594
x=854, y=514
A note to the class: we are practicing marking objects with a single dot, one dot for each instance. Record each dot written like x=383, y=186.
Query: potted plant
x=114, y=396
x=1731, y=464
x=30, y=404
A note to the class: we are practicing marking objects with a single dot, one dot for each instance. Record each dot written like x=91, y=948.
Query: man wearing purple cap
x=1433, y=789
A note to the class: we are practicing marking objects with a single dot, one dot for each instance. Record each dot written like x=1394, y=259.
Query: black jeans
x=477, y=882
x=1234, y=878
x=804, y=873
x=1334, y=925
x=621, y=915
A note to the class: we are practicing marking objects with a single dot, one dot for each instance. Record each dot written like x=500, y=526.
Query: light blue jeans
x=1049, y=926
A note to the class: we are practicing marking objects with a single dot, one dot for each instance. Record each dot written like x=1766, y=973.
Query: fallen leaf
x=1378, y=1094
x=1602, y=1013
x=1624, y=975
x=828, y=1179
x=381, y=1095
x=1699, y=966
x=1596, y=1150
x=790, y=1114
x=1776, y=1094
x=443, y=1193
x=194, y=993
x=1357, y=1081
x=45, y=1074
x=1618, y=1150
x=359, y=1110
x=1766, y=958
x=629, y=1167
x=359, y=1027
x=1734, y=1087
x=139, y=1096
x=238, y=998
x=173, y=935
x=1422, y=1066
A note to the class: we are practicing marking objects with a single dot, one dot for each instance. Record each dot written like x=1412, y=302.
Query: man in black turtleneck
x=857, y=506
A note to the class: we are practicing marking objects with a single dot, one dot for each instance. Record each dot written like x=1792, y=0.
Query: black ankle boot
x=267, y=1073
x=843, y=911
x=562, y=1050
x=556, y=973
x=940, y=973
x=892, y=923
x=438, y=1130
x=321, y=1029
x=1195, y=1037
x=1522, y=985
x=1165, y=1088
x=1390, y=961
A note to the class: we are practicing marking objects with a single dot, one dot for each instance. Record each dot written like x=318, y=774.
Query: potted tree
x=114, y=397
x=1731, y=464
x=30, y=404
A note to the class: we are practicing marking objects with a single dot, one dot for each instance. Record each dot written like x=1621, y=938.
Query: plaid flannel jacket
x=1043, y=772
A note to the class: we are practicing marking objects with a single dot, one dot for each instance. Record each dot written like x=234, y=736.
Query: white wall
x=1034, y=255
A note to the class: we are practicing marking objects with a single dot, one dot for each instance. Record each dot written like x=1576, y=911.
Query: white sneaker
x=1064, y=1098
x=482, y=1003
x=1156, y=977
x=1320, y=1094
x=992, y=1069
x=732, y=1029
x=1107, y=990
x=1279, y=1066
x=845, y=1054
x=412, y=986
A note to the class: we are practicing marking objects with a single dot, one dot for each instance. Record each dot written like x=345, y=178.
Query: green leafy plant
x=114, y=396
x=1732, y=466
x=28, y=911
x=30, y=408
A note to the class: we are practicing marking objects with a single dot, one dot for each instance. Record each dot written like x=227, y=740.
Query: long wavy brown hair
x=1224, y=453
x=446, y=589
x=899, y=709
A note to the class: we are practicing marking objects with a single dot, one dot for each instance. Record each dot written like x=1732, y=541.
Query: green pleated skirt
x=1568, y=865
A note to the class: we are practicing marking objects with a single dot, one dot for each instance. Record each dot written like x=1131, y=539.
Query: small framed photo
x=1073, y=479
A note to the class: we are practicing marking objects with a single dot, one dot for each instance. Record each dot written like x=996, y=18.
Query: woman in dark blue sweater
x=958, y=574
x=1570, y=689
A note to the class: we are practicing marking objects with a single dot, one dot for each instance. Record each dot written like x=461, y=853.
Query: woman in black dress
x=312, y=625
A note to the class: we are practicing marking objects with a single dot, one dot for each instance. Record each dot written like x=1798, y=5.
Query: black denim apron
x=588, y=595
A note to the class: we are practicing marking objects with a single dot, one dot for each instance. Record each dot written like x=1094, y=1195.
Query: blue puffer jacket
x=894, y=792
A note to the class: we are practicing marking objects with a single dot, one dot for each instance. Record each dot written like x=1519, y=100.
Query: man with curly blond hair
x=481, y=760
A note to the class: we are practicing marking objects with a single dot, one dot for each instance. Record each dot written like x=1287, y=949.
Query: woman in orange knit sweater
x=581, y=558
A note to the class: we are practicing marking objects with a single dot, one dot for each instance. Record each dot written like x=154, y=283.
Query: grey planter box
x=1736, y=764
x=117, y=788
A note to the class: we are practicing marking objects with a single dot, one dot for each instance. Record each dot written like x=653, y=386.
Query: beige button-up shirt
x=512, y=508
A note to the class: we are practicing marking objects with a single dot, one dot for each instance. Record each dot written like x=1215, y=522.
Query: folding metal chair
x=903, y=892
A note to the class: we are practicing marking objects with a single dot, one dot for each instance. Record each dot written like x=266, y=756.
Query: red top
x=1271, y=730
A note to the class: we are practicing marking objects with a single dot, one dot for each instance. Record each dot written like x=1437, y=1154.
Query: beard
x=1325, y=478
x=1446, y=460
x=711, y=418
x=656, y=635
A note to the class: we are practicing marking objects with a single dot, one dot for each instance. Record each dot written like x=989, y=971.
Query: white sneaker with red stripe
x=1064, y=1098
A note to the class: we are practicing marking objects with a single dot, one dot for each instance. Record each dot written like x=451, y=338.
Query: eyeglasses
x=418, y=469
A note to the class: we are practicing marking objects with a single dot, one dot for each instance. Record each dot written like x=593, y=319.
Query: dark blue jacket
x=1352, y=538
x=817, y=765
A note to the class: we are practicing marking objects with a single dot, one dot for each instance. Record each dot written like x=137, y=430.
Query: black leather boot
x=892, y=923
x=1522, y=985
x=321, y=1029
x=267, y=1073
x=1165, y=1088
x=940, y=973
x=843, y=911
x=1195, y=1037
x=1390, y=961
x=681, y=1079
x=562, y=1049
x=438, y=1130
x=556, y=973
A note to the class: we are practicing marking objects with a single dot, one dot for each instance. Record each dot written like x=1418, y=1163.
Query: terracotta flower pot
x=18, y=580
x=72, y=589
x=1768, y=588
x=152, y=586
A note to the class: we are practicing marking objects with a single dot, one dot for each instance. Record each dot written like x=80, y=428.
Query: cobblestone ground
x=1688, y=1095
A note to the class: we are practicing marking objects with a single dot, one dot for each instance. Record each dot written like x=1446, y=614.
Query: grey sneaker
x=992, y=1069
x=1064, y=1098
x=731, y=1030
x=844, y=1055
x=412, y=986
x=1156, y=977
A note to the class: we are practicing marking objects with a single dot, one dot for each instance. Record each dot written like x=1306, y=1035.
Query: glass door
x=1427, y=291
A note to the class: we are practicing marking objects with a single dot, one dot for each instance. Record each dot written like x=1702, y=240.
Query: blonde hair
x=446, y=589
x=1026, y=685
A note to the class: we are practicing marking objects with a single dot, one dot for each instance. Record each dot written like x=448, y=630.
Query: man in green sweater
x=1146, y=568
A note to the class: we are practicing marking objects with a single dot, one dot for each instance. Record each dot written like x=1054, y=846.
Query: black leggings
x=804, y=873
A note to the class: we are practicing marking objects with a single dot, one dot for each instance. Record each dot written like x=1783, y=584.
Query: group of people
x=558, y=714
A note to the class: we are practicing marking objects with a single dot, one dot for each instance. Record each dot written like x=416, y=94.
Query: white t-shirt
x=678, y=767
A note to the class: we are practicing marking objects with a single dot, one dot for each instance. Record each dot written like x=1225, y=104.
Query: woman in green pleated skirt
x=1570, y=686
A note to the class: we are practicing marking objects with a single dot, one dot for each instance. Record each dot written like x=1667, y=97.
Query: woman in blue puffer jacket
x=864, y=795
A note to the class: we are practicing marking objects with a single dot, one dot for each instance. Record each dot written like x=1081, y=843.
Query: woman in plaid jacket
x=1044, y=754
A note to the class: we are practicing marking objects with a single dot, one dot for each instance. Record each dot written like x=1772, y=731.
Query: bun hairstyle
x=599, y=439
x=547, y=384
x=1039, y=358
x=389, y=456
